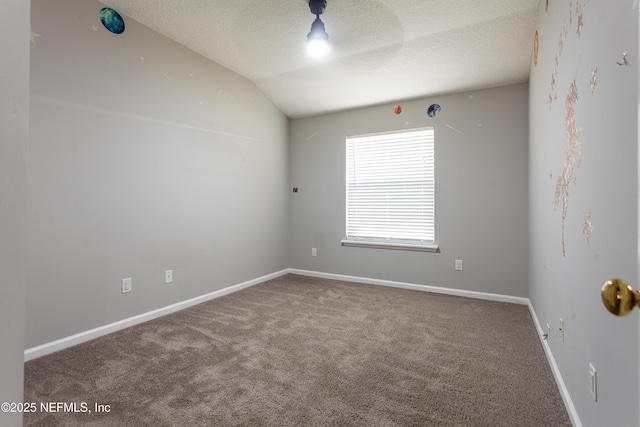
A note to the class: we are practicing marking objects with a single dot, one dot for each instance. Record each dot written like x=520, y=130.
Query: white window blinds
x=390, y=187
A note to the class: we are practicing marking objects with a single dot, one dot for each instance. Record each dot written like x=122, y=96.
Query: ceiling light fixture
x=317, y=39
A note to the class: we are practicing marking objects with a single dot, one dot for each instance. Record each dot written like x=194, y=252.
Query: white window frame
x=390, y=190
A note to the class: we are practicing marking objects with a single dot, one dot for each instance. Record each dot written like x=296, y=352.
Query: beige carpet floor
x=303, y=351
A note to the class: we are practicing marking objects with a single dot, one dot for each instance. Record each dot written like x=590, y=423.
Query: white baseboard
x=415, y=287
x=57, y=345
x=568, y=403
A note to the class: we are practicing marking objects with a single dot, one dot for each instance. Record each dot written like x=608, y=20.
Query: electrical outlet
x=593, y=382
x=561, y=330
x=314, y=252
x=458, y=265
x=168, y=276
x=126, y=285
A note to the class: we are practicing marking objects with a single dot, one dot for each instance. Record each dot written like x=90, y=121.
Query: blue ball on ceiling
x=112, y=20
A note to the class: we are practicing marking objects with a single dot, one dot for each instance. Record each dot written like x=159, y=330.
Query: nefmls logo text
x=64, y=407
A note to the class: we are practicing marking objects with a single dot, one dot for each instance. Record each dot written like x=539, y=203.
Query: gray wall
x=603, y=182
x=144, y=157
x=481, y=192
x=14, y=126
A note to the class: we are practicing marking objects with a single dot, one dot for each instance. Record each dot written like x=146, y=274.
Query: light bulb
x=317, y=47
x=317, y=39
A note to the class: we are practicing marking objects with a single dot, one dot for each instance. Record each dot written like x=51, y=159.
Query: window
x=391, y=190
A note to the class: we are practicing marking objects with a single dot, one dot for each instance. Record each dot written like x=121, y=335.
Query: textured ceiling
x=382, y=51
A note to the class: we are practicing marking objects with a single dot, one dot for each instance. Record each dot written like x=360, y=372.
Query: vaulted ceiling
x=382, y=51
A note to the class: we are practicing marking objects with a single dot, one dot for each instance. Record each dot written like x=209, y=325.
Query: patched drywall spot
x=313, y=135
x=33, y=36
x=579, y=9
x=587, y=229
x=573, y=156
x=454, y=129
x=573, y=133
x=535, y=50
x=594, y=79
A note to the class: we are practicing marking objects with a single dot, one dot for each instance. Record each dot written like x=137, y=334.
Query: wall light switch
x=458, y=265
x=168, y=276
x=593, y=382
x=126, y=285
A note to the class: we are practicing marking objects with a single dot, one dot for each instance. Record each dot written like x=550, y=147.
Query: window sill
x=396, y=246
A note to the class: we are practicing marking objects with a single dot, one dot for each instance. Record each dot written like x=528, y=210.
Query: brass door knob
x=619, y=298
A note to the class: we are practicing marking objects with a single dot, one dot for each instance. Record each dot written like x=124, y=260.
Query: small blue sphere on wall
x=434, y=110
x=112, y=20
